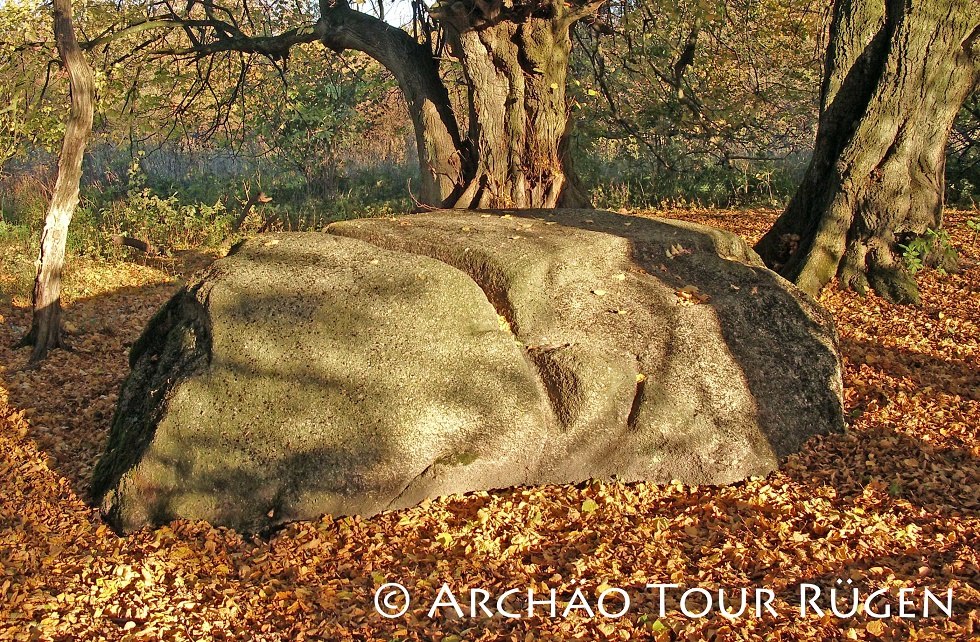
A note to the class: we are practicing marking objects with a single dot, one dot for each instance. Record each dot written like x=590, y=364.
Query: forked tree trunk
x=45, y=331
x=515, y=63
x=897, y=72
x=437, y=134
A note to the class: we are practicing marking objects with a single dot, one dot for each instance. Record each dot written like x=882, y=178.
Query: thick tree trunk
x=515, y=62
x=45, y=331
x=897, y=72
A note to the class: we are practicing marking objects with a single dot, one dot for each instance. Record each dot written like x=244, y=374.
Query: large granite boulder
x=390, y=360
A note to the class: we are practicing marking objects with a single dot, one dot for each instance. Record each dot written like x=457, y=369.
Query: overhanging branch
x=274, y=47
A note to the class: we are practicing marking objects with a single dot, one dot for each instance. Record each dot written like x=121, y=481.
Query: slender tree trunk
x=897, y=72
x=45, y=331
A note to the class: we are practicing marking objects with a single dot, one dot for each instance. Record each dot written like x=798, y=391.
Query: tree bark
x=515, y=64
x=896, y=74
x=45, y=333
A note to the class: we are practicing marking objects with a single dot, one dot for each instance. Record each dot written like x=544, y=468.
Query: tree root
x=895, y=285
x=56, y=341
x=867, y=265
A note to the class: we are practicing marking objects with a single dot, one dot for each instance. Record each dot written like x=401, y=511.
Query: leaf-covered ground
x=892, y=503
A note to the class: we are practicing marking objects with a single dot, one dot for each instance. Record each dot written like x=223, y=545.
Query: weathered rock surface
x=396, y=359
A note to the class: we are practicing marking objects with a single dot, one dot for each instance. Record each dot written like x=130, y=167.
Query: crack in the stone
x=635, y=406
x=405, y=488
x=497, y=299
x=552, y=375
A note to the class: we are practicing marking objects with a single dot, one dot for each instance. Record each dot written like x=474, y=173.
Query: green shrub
x=933, y=248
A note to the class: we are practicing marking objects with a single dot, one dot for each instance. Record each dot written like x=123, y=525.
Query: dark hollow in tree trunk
x=45, y=333
x=896, y=74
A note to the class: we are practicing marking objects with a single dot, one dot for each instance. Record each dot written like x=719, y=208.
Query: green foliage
x=932, y=248
x=14, y=234
x=145, y=214
x=973, y=224
x=18, y=248
x=913, y=253
x=963, y=155
x=25, y=119
x=24, y=198
x=709, y=101
x=626, y=180
x=367, y=192
x=197, y=210
x=320, y=124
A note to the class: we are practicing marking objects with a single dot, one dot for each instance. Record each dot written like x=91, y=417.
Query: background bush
x=711, y=103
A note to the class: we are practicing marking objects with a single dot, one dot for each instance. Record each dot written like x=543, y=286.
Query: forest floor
x=893, y=502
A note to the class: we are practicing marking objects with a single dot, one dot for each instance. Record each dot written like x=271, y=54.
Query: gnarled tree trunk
x=415, y=70
x=45, y=331
x=897, y=72
x=515, y=62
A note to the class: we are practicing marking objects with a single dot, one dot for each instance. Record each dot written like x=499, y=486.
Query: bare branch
x=583, y=11
x=273, y=47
